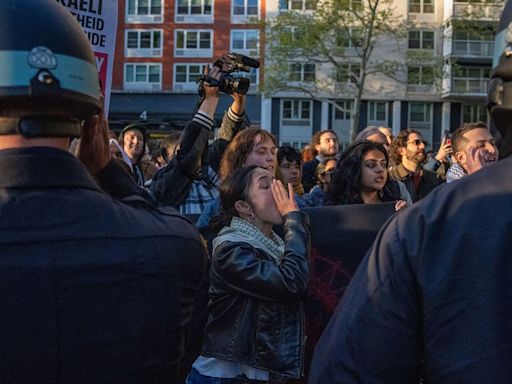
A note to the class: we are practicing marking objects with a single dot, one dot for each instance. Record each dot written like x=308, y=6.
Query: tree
x=336, y=40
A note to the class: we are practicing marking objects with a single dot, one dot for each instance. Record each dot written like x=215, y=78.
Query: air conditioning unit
x=179, y=52
x=180, y=19
x=157, y=19
x=155, y=87
x=178, y=87
x=253, y=53
x=412, y=17
x=156, y=52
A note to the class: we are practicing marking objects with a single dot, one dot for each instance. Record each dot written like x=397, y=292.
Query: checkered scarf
x=241, y=231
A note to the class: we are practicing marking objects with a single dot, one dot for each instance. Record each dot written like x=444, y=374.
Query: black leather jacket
x=256, y=306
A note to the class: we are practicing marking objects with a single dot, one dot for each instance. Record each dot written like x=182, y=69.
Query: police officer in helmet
x=92, y=290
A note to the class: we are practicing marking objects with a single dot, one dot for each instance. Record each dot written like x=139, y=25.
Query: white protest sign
x=98, y=19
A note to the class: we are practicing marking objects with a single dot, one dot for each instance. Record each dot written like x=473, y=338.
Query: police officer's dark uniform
x=91, y=290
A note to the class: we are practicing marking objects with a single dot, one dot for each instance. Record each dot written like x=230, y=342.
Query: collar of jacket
x=403, y=172
x=43, y=167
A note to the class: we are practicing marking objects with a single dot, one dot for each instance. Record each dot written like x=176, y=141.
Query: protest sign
x=98, y=19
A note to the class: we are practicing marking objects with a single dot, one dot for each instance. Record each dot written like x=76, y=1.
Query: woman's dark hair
x=234, y=188
x=288, y=153
x=346, y=182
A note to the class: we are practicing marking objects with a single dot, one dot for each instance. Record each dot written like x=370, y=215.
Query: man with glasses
x=408, y=154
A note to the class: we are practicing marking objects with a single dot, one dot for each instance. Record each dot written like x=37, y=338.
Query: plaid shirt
x=202, y=192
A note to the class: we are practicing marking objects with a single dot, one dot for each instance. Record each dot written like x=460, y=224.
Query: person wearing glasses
x=408, y=153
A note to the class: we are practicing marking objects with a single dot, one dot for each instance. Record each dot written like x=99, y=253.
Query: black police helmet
x=48, y=75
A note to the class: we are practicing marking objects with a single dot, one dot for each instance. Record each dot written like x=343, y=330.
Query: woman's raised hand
x=285, y=201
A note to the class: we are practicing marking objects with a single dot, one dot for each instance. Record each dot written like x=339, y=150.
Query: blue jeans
x=195, y=377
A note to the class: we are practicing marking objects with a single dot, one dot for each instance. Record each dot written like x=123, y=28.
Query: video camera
x=235, y=62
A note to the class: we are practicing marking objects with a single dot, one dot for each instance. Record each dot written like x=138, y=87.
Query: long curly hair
x=345, y=186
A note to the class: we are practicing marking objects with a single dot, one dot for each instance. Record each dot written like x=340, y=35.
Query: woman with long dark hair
x=361, y=177
x=255, y=327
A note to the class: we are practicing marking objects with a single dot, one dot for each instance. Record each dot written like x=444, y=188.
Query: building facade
x=163, y=45
x=162, y=48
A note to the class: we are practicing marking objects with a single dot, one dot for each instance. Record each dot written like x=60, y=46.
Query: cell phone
x=447, y=137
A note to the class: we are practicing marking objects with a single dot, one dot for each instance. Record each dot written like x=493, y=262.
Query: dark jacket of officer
x=91, y=290
x=433, y=298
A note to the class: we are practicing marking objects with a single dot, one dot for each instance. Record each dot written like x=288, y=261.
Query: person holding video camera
x=190, y=181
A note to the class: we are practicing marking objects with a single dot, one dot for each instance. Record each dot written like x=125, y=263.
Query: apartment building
x=163, y=45
x=461, y=33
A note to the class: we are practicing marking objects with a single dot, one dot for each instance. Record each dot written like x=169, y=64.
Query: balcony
x=473, y=48
x=473, y=10
x=467, y=87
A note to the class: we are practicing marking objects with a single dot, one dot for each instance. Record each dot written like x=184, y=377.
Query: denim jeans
x=195, y=377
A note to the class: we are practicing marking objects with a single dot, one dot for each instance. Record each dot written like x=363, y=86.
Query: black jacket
x=91, y=290
x=433, y=297
x=256, y=310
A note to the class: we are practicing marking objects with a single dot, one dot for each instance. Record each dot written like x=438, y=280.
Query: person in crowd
x=92, y=289
x=408, y=152
x=361, y=177
x=289, y=168
x=439, y=161
x=474, y=147
x=323, y=173
x=169, y=146
x=147, y=166
x=251, y=146
x=326, y=145
x=373, y=133
x=255, y=327
x=133, y=141
x=388, y=133
x=190, y=181
x=308, y=153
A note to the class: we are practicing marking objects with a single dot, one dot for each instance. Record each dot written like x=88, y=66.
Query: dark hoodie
x=137, y=171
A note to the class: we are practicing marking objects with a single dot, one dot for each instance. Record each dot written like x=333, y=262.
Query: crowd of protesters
x=106, y=277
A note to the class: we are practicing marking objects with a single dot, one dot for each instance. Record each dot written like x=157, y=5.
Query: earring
x=251, y=217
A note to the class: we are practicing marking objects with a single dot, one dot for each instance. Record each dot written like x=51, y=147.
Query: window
x=145, y=11
x=471, y=80
x=421, y=6
x=473, y=42
x=194, y=7
x=247, y=41
x=377, y=111
x=350, y=38
x=193, y=43
x=296, y=110
x=420, y=115
x=186, y=75
x=420, y=75
x=474, y=112
x=344, y=110
x=302, y=72
x=245, y=8
x=143, y=43
x=142, y=76
x=347, y=73
x=351, y=5
x=297, y=5
x=421, y=40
